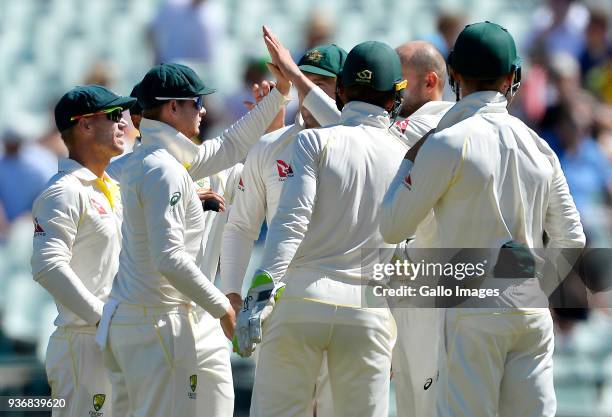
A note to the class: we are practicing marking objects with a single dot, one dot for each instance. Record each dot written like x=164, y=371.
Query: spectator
x=318, y=30
x=559, y=26
x=187, y=30
x=254, y=73
x=448, y=26
x=597, y=48
x=588, y=173
x=24, y=170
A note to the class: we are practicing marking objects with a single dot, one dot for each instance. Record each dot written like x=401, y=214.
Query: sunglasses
x=114, y=114
x=198, y=101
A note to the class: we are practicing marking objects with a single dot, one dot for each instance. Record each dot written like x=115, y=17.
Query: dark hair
x=153, y=113
x=488, y=84
x=67, y=136
x=368, y=95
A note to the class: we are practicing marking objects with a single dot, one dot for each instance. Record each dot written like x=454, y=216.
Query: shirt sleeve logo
x=284, y=169
x=175, y=198
x=38, y=230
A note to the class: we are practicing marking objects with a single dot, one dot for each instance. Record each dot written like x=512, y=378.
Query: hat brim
x=316, y=70
x=205, y=91
x=124, y=102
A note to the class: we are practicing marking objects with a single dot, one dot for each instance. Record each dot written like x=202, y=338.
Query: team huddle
x=374, y=167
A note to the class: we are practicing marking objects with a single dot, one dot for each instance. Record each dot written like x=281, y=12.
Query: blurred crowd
x=565, y=96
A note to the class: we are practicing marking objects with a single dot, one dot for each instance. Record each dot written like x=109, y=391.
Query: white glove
x=258, y=305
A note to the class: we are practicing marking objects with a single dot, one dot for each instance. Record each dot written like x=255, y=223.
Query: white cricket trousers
x=322, y=401
x=415, y=360
x=215, y=383
x=75, y=371
x=497, y=362
x=151, y=351
x=358, y=343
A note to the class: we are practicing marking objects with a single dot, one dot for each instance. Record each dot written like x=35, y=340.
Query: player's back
x=356, y=165
x=501, y=186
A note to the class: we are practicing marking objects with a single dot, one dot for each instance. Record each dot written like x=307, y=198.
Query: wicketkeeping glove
x=258, y=305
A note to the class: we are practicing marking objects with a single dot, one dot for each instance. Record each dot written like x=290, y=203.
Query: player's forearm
x=397, y=222
x=236, y=250
x=321, y=106
x=234, y=143
x=66, y=287
x=563, y=224
x=185, y=276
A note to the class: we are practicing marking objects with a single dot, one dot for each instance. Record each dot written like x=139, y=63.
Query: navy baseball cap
x=84, y=100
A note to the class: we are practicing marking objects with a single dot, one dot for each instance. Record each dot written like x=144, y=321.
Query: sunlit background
x=49, y=46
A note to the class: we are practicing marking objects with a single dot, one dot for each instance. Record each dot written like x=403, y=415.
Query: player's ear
x=84, y=124
x=431, y=80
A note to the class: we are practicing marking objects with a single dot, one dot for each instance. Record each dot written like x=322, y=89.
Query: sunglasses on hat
x=198, y=102
x=114, y=114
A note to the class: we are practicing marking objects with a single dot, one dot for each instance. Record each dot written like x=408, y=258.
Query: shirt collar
x=71, y=166
x=481, y=102
x=357, y=112
x=161, y=135
x=434, y=107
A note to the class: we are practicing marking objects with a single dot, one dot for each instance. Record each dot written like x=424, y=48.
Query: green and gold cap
x=326, y=60
x=374, y=64
x=84, y=100
x=170, y=80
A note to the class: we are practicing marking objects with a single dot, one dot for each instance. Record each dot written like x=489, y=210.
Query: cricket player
x=216, y=392
x=328, y=212
x=149, y=325
x=77, y=240
x=211, y=344
x=490, y=180
x=266, y=169
x=116, y=165
x=415, y=369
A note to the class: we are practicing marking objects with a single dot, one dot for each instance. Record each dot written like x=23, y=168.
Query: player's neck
x=97, y=165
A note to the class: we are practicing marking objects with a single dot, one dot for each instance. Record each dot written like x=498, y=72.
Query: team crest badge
x=364, y=76
x=98, y=401
x=193, y=384
x=314, y=56
x=284, y=169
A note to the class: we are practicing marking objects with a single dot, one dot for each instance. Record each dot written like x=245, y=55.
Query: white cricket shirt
x=77, y=240
x=163, y=223
x=329, y=210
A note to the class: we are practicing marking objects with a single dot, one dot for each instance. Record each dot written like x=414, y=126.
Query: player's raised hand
x=281, y=57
